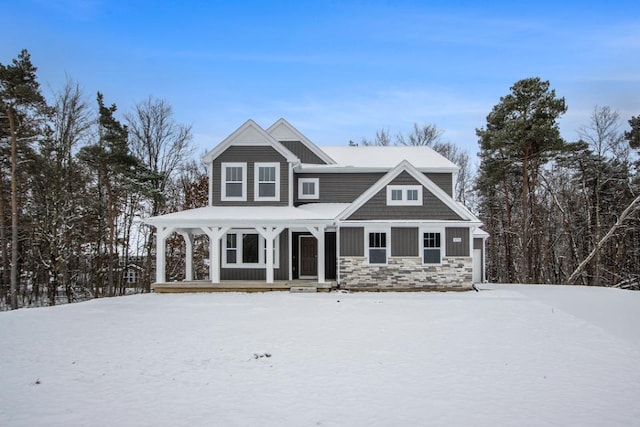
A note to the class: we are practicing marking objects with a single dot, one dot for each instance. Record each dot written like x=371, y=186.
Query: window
x=308, y=188
x=404, y=195
x=234, y=182
x=432, y=249
x=267, y=181
x=247, y=249
x=377, y=247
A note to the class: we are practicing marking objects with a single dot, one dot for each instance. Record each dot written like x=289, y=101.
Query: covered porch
x=301, y=286
x=274, y=225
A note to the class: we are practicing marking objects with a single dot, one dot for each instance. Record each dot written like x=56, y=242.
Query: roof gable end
x=250, y=133
x=282, y=130
x=405, y=166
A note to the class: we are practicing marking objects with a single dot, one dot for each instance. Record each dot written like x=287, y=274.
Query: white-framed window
x=308, y=188
x=432, y=246
x=234, y=182
x=404, y=195
x=267, y=181
x=248, y=249
x=377, y=246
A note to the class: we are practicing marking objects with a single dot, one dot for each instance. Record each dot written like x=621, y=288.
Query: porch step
x=303, y=289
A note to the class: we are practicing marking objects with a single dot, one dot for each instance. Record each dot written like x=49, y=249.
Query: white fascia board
x=265, y=139
x=408, y=223
x=234, y=223
x=296, y=135
x=405, y=166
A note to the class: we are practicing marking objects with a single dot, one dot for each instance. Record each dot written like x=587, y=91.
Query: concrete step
x=303, y=289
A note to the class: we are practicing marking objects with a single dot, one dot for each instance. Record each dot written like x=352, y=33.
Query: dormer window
x=404, y=195
x=234, y=182
x=267, y=182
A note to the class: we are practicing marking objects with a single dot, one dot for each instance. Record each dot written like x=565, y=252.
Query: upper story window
x=234, y=182
x=267, y=182
x=308, y=188
x=404, y=195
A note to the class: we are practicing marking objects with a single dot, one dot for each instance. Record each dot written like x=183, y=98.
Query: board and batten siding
x=338, y=187
x=280, y=273
x=404, y=241
x=302, y=152
x=432, y=207
x=457, y=249
x=444, y=180
x=250, y=154
x=351, y=241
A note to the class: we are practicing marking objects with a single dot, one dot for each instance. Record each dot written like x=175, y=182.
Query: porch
x=242, y=286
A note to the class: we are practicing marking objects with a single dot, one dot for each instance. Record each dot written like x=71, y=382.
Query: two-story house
x=359, y=217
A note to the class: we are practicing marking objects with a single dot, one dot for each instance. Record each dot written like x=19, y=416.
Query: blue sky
x=337, y=70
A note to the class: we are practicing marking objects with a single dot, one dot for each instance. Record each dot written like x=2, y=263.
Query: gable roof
x=405, y=166
x=250, y=133
x=282, y=130
x=422, y=157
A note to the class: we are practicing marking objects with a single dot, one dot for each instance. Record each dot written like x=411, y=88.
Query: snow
x=507, y=355
x=422, y=157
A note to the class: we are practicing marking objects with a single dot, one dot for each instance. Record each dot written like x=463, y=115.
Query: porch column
x=188, y=267
x=215, y=234
x=162, y=232
x=269, y=234
x=318, y=233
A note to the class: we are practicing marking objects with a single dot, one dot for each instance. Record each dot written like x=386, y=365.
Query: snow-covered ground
x=508, y=355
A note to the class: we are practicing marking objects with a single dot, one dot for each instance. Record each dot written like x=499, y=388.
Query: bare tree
x=427, y=134
x=162, y=145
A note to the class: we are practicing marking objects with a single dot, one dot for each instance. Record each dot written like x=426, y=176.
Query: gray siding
x=338, y=187
x=432, y=207
x=251, y=154
x=477, y=243
x=443, y=180
x=280, y=273
x=302, y=152
x=404, y=241
x=460, y=248
x=351, y=241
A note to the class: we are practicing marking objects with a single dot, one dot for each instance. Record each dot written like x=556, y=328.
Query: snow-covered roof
x=236, y=215
x=383, y=158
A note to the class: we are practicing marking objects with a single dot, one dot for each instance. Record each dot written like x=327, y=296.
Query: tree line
x=74, y=182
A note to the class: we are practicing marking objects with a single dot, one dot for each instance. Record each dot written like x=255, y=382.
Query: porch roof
x=236, y=215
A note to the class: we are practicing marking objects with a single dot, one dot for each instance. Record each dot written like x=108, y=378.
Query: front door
x=308, y=257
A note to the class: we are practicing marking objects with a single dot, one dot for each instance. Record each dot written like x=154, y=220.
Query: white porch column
x=188, y=267
x=269, y=234
x=318, y=233
x=162, y=232
x=215, y=234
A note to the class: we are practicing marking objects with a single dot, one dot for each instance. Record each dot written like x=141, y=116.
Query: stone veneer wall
x=405, y=273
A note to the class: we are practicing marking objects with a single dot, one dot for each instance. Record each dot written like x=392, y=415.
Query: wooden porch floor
x=239, y=286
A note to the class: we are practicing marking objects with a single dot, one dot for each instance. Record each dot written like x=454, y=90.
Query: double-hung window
x=432, y=249
x=247, y=249
x=267, y=182
x=234, y=182
x=308, y=188
x=404, y=195
x=377, y=247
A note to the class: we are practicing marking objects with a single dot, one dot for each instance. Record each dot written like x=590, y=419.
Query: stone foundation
x=405, y=273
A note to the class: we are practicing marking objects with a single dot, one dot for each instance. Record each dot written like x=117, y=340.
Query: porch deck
x=239, y=286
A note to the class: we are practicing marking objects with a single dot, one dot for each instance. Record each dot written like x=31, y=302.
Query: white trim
x=443, y=242
x=405, y=166
x=210, y=182
x=256, y=182
x=385, y=230
x=404, y=198
x=295, y=135
x=261, y=137
x=261, y=250
x=290, y=183
x=316, y=186
x=223, y=182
